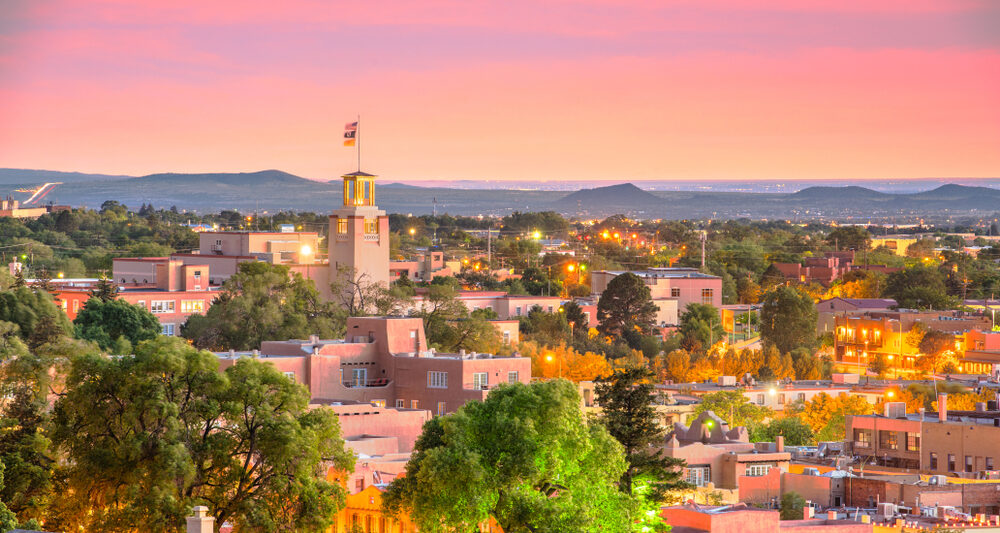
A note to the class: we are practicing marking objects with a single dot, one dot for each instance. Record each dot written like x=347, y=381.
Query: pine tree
x=105, y=289
x=626, y=400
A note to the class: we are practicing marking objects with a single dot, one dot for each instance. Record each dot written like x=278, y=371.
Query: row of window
x=951, y=463
x=169, y=306
x=371, y=226
x=706, y=294
x=888, y=440
x=480, y=380
x=700, y=475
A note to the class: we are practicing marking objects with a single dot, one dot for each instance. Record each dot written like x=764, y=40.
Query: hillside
x=23, y=176
x=274, y=190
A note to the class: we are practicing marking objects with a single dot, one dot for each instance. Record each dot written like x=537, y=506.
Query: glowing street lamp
x=549, y=358
x=413, y=231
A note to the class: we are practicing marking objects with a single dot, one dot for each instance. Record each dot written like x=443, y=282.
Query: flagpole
x=358, y=143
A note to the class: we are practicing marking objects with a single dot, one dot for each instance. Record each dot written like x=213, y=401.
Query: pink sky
x=516, y=89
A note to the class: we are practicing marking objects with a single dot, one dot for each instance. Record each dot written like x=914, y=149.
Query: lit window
x=193, y=306
x=400, y=403
x=414, y=404
x=912, y=442
x=371, y=226
x=342, y=226
x=378, y=403
x=441, y=408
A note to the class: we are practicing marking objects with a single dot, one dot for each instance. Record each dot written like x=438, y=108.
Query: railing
x=478, y=386
x=371, y=237
x=361, y=384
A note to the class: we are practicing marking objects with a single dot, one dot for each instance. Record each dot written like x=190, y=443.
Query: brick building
x=672, y=289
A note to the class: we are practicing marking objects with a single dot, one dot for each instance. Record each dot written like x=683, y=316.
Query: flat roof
x=664, y=272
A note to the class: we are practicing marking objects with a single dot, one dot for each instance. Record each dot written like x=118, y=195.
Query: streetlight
x=413, y=231
x=549, y=359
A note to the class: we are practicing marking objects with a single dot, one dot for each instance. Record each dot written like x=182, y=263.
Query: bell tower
x=359, y=232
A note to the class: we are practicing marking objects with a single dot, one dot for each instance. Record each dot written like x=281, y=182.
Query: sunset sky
x=514, y=89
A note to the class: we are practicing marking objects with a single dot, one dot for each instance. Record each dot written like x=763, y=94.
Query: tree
x=788, y=319
x=791, y=506
x=733, y=407
x=626, y=400
x=576, y=318
x=147, y=436
x=850, y=238
x=806, y=364
x=625, y=305
x=263, y=302
x=564, y=361
x=105, y=321
x=677, y=365
x=776, y=365
x=700, y=327
x=26, y=309
x=526, y=457
x=358, y=295
x=792, y=428
x=105, y=290
x=826, y=415
x=918, y=287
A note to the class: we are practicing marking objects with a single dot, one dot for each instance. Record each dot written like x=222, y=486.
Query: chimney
x=314, y=339
x=980, y=407
x=921, y=411
x=943, y=407
x=808, y=511
x=831, y=515
x=779, y=443
x=200, y=522
x=256, y=352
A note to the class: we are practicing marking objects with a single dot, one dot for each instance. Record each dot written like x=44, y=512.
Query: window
x=912, y=442
x=359, y=377
x=141, y=303
x=933, y=461
x=359, y=485
x=65, y=304
x=290, y=375
x=760, y=399
x=480, y=380
x=437, y=380
x=968, y=463
x=512, y=376
x=801, y=397
x=699, y=475
x=706, y=296
x=161, y=306
x=76, y=306
x=517, y=310
x=862, y=438
x=757, y=470
x=193, y=306
x=441, y=408
x=400, y=403
x=378, y=403
x=414, y=404
x=342, y=226
x=781, y=399
x=989, y=463
x=675, y=292
x=506, y=337
x=887, y=440
x=951, y=462
x=167, y=329
x=371, y=226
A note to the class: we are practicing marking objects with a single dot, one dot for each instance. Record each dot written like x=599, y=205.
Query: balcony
x=369, y=384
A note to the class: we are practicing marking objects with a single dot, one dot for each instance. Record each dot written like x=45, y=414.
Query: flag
x=350, y=133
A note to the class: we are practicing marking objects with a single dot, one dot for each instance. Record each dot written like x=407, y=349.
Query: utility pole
x=704, y=236
x=489, y=247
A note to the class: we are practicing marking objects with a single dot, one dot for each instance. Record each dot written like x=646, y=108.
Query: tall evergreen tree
x=626, y=305
x=626, y=401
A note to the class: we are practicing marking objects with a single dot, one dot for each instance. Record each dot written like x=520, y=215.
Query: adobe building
x=694, y=518
x=672, y=289
x=385, y=361
x=719, y=457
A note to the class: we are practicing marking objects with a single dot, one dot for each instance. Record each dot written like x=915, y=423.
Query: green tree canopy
x=145, y=437
x=792, y=428
x=918, y=287
x=26, y=308
x=263, y=302
x=701, y=327
x=734, y=408
x=788, y=319
x=527, y=457
x=105, y=321
x=625, y=305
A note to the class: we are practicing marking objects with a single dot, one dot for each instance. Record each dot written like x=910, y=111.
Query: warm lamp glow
x=306, y=250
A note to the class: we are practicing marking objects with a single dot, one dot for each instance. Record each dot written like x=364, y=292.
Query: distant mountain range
x=274, y=190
